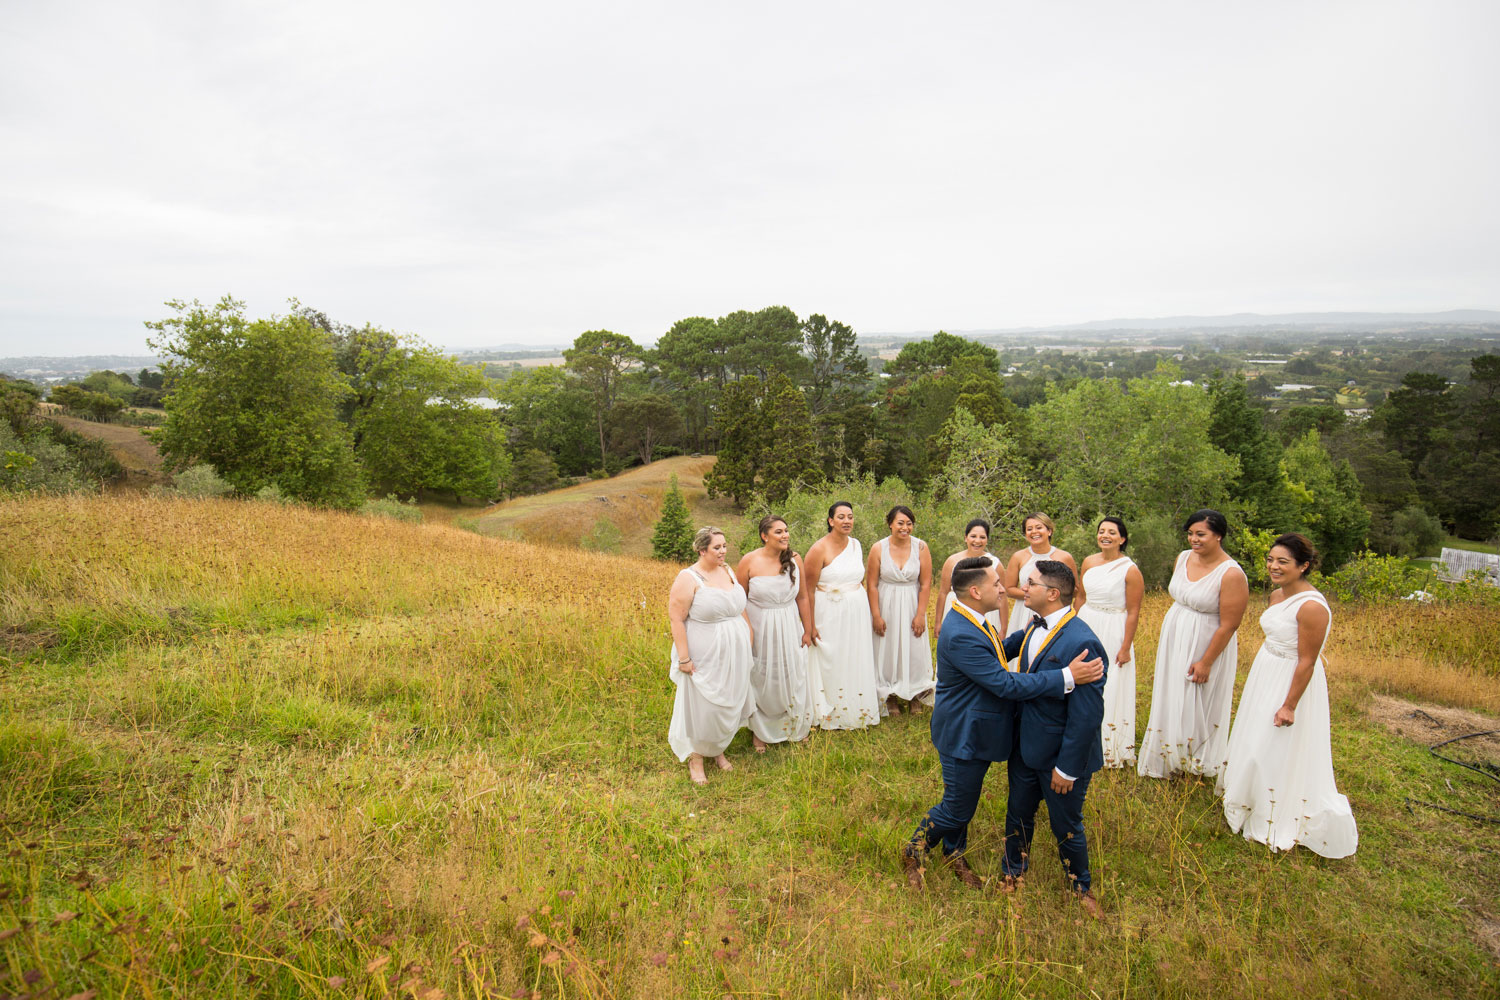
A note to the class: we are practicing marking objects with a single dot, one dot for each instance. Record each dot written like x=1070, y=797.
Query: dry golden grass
x=249, y=750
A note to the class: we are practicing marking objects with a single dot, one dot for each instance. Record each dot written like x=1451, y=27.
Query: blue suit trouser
x=948, y=821
x=1028, y=787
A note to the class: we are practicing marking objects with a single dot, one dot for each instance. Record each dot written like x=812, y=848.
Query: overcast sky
x=481, y=174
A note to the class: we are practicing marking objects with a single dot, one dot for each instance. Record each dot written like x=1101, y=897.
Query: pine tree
x=673, y=539
x=790, y=456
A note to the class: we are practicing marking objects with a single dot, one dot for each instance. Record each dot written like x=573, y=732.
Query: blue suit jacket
x=1055, y=731
x=974, y=715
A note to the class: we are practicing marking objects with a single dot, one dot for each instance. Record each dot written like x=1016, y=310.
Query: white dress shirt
x=1051, y=621
x=1039, y=636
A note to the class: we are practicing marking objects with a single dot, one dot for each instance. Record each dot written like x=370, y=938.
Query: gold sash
x=989, y=630
x=1051, y=634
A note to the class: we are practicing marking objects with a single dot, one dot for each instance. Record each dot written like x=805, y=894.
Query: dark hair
x=978, y=522
x=1301, y=548
x=1212, y=518
x=836, y=505
x=900, y=509
x=1056, y=574
x=787, y=566
x=967, y=572
x=1111, y=519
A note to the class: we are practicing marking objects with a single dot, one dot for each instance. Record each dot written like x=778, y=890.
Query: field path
x=630, y=502
x=131, y=448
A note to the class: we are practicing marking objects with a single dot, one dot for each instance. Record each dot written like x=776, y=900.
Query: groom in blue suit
x=1058, y=745
x=974, y=716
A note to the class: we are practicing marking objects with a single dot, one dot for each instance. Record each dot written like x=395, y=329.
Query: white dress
x=778, y=675
x=992, y=616
x=715, y=700
x=1104, y=612
x=1278, y=786
x=1189, y=726
x=903, y=662
x=841, y=664
x=1020, y=615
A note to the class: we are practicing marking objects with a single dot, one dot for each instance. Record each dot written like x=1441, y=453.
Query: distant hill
x=1448, y=318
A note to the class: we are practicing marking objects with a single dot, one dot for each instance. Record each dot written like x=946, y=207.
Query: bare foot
x=723, y=763
x=893, y=705
x=758, y=743
x=695, y=770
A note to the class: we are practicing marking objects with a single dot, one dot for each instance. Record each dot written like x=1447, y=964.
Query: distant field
x=256, y=751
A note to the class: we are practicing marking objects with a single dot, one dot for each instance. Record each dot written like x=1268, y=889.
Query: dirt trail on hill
x=130, y=447
x=616, y=514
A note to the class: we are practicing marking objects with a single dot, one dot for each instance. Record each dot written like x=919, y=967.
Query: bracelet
x=684, y=659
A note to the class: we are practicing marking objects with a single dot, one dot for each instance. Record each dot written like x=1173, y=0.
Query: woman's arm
x=1135, y=591
x=814, y=569
x=804, y=606
x=1312, y=627
x=924, y=589
x=945, y=584
x=679, y=601
x=1234, y=594
x=872, y=588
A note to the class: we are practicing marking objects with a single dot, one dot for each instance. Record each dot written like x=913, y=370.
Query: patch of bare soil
x=130, y=447
x=1429, y=724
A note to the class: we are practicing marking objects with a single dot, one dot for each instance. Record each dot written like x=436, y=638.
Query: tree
x=690, y=358
x=918, y=407
x=839, y=375
x=762, y=342
x=1413, y=413
x=548, y=410
x=791, y=457
x=1238, y=428
x=256, y=400
x=925, y=357
x=18, y=404
x=1325, y=418
x=533, y=471
x=599, y=359
x=86, y=403
x=1327, y=495
x=743, y=435
x=416, y=423
x=673, y=538
x=767, y=441
x=643, y=423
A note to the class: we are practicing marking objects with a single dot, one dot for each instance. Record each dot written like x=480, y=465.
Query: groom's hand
x=1084, y=670
x=1061, y=785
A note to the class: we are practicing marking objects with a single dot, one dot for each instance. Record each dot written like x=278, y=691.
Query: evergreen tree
x=742, y=439
x=673, y=538
x=791, y=452
x=1237, y=428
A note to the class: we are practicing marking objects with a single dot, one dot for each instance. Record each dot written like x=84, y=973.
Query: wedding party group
x=1034, y=666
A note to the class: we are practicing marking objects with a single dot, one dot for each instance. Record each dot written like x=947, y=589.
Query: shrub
x=39, y=464
x=392, y=506
x=201, y=482
x=806, y=514
x=1412, y=532
x=272, y=494
x=1369, y=577
x=604, y=536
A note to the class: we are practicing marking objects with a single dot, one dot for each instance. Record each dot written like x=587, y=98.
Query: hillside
x=249, y=750
x=629, y=503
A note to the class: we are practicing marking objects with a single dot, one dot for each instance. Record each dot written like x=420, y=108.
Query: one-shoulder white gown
x=1278, y=786
x=1104, y=612
x=778, y=675
x=1189, y=725
x=841, y=664
x=715, y=700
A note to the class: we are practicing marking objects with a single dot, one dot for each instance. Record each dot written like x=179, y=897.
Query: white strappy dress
x=715, y=700
x=1189, y=725
x=903, y=662
x=841, y=664
x=1020, y=615
x=783, y=696
x=1278, y=786
x=1104, y=612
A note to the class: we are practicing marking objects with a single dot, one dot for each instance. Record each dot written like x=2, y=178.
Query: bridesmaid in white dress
x=1196, y=657
x=710, y=657
x=1109, y=602
x=841, y=660
x=1278, y=786
x=900, y=579
x=976, y=544
x=782, y=623
x=1038, y=531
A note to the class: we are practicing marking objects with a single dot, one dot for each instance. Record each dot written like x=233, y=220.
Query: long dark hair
x=787, y=566
x=1119, y=525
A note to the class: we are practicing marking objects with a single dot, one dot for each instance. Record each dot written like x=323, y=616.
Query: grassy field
x=249, y=750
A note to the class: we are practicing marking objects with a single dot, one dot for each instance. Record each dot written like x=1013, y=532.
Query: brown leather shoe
x=911, y=864
x=965, y=874
x=1091, y=905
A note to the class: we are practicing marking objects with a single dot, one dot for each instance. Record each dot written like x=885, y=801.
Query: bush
x=604, y=536
x=94, y=459
x=200, y=482
x=273, y=494
x=392, y=507
x=1411, y=532
x=1369, y=577
x=39, y=464
x=806, y=514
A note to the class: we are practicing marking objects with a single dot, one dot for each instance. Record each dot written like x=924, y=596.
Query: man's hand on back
x=1084, y=670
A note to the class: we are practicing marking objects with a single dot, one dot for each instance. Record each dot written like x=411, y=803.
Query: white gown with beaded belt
x=1278, y=785
x=841, y=664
